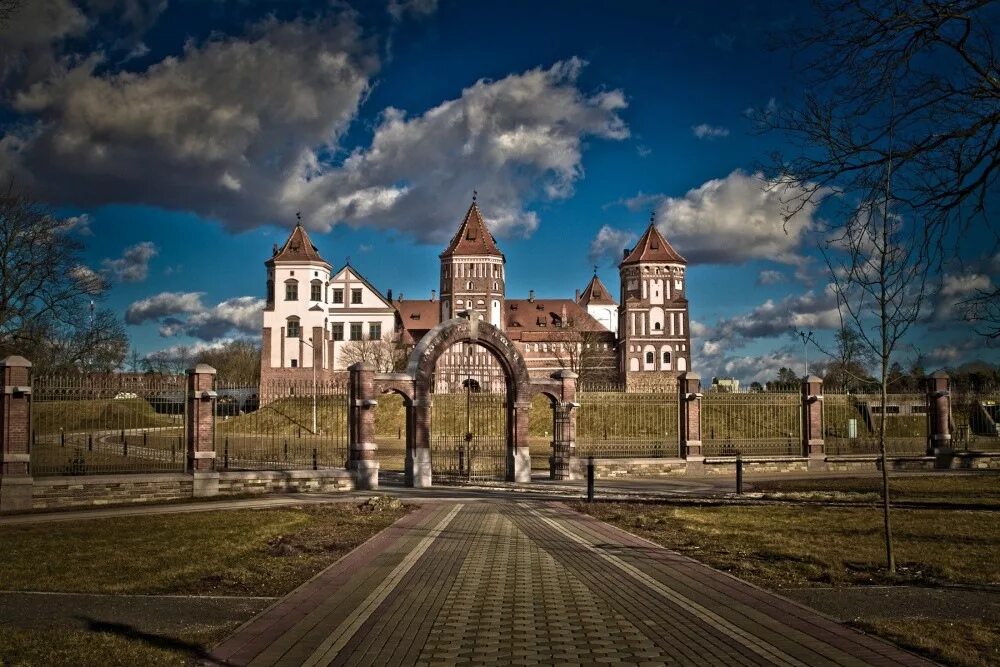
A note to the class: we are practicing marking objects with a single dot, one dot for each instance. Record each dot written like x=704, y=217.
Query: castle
x=318, y=317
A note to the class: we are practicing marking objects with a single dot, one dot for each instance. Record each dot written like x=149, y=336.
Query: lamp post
x=313, y=348
x=806, y=339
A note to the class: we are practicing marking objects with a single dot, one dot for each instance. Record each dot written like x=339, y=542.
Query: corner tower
x=472, y=271
x=653, y=322
x=295, y=315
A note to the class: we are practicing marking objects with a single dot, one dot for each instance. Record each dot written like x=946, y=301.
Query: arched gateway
x=417, y=387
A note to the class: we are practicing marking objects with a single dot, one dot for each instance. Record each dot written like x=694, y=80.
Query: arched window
x=657, y=326
x=469, y=284
x=666, y=357
x=649, y=357
x=291, y=290
x=293, y=329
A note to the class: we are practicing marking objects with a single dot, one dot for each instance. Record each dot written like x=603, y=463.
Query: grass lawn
x=248, y=553
x=937, y=488
x=794, y=546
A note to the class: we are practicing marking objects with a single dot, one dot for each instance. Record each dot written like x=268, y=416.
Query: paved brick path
x=528, y=583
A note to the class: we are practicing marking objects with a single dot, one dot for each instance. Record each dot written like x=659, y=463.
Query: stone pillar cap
x=564, y=374
x=361, y=366
x=15, y=360
x=939, y=374
x=691, y=376
x=202, y=368
x=813, y=378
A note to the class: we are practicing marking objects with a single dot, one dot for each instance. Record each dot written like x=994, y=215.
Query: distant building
x=313, y=313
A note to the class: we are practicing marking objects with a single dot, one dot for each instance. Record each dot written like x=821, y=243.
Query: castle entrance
x=469, y=430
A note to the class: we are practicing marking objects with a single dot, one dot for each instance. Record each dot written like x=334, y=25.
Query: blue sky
x=183, y=136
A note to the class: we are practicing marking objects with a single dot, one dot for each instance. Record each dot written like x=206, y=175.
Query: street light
x=311, y=347
x=806, y=339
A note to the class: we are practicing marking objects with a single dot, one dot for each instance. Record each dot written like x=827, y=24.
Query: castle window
x=374, y=330
x=649, y=357
x=293, y=327
x=316, y=291
x=291, y=290
x=295, y=363
x=666, y=357
x=469, y=284
x=356, y=331
x=356, y=295
x=338, y=295
x=657, y=326
x=337, y=330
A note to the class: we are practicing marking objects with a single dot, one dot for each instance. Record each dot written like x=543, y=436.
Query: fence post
x=812, y=422
x=200, y=430
x=939, y=407
x=363, y=459
x=15, y=439
x=690, y=423
x=564, y=462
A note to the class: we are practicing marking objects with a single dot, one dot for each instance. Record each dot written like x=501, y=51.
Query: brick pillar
x=690, y=408
x=15, y=435
x=201, y=399
x=418, y=471
x=564, y=465
x=939, y=413
x=518, y=454
x=812, y=422
x=363, y=459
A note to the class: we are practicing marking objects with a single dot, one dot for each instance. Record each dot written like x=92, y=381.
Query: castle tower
x=599, y=304
x=472, y=271
x=295, y=316
x=653, y=323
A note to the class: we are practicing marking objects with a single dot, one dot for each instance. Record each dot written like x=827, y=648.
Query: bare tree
x=588, y=353
x=48, y=297
x=172, y=361
x=385, y=353
x=236, y=361
x=925, y=72
x=849, y=360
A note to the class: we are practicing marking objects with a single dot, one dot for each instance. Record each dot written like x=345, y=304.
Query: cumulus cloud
x=609, y=244
x=163, y=305
x=706, y=131
x=133, y=265
x=733, y=220
x=770, y=277
x=214, y=130
x=515, y=140
x=811, y=310
x=399, y=9
x=78, y=224
x=754, y=368
x=956, y=288
x=184, y=313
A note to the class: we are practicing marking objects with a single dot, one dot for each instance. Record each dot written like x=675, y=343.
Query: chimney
x=531, y=296
x=388, y=296
x=400, y=298
x=564, y=322
x=433, y=295
x=577, y=296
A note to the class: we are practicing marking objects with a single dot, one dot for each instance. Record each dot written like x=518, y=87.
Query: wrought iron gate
x=469, y=431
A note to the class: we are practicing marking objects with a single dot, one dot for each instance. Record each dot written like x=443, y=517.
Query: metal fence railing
x=614, y=423
x=851, y=423
x=754, y=423
x=116, y=423
x=975, y=419
x=281, y=425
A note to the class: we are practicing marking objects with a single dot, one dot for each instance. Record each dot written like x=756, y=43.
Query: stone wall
x=97, y=490
x=616, y=468
x=772, y=465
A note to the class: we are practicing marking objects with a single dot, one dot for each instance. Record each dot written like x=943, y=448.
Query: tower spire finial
x=595, y=269
x=652, y=217
x=298, y=218
x=475, y=193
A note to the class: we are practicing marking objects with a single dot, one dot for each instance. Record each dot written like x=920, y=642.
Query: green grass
x=246, y=552
x=96, y=415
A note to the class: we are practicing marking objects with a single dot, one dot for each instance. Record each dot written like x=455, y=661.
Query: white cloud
x=80, y=224
x=736, y=219
x=609, y=244
x=706, y=131
x=955, y=288
x=811, y=310
x=133, y=265
x=515, y=140
x=399, y=9
x=770, y=277
x=163, y=305
x=231, y=111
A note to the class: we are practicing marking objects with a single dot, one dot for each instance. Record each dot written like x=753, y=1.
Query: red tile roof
x=540, y=319
x=597, y=294
x=417, y=316
x=473, y=237
x=652, y=247
x=298, y=248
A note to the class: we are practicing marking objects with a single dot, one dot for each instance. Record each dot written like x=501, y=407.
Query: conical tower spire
x=473, y=236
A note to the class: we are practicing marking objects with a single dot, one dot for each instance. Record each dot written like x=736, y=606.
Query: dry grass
x=966, y=643
x=937, y=488
x=96, y=415
x=247, y=552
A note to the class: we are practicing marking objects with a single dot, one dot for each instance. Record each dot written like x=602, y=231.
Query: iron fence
x=281, y=425
x=975, y=419
x=107, y=424
x=613, y=422
x=851, y=423
x=751, y=422
x=469, y=425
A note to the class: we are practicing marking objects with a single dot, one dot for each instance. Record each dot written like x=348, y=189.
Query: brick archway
x=469, y=328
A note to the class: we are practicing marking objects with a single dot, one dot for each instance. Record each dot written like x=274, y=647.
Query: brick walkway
x=525, y=584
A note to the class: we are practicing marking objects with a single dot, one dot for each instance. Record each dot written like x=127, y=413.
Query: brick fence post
x=363, y=460
x=939, y=409
x=564, y=464
x=15, y=432
x=690, y=423
x=812, y=422
x=201, y=398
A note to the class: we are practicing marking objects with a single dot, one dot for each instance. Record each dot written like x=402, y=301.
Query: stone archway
x=469, y=328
